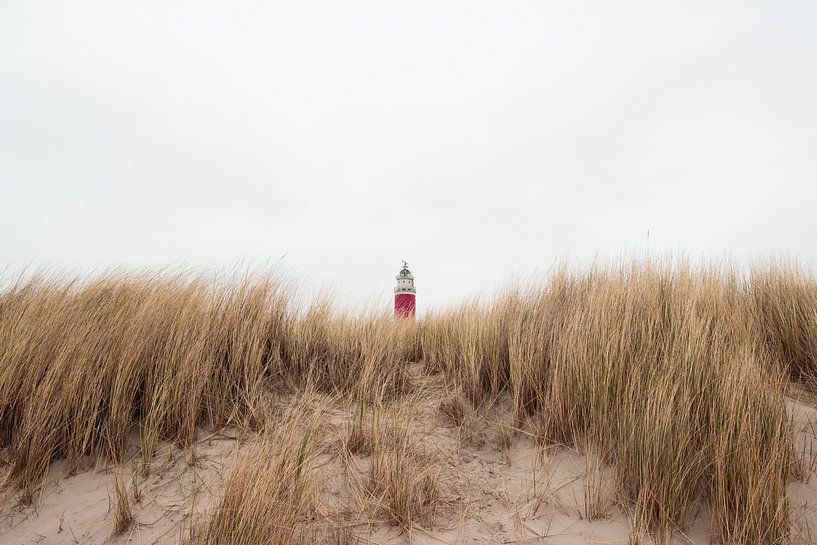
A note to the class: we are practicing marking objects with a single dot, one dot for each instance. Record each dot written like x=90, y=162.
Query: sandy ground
x=78, y=508
x=494, y=493
x=803, y=493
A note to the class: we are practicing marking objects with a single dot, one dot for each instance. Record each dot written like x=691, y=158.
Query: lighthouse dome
x=405, y=272
x=405, y=280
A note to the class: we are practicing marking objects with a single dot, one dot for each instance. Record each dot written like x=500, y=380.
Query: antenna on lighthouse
x=405, y=294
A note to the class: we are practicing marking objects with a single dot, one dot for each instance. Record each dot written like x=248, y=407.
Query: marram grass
x=676, y=376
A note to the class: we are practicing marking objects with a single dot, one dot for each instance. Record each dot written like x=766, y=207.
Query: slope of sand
x=803, y=493
x=79, y=508
x=493, y=493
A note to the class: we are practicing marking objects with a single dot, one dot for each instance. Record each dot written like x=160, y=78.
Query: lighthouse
x=404, y=294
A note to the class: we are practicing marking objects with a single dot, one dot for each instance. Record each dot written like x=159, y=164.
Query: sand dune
x=493, y=491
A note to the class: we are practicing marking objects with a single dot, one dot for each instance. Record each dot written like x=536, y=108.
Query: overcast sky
x=477, y=140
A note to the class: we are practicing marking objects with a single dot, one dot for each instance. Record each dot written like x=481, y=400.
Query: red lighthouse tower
x=404, y=294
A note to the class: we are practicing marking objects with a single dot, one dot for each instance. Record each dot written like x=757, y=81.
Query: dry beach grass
x=672, y=384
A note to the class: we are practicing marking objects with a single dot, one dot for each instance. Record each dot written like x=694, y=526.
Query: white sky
x=477, y=140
